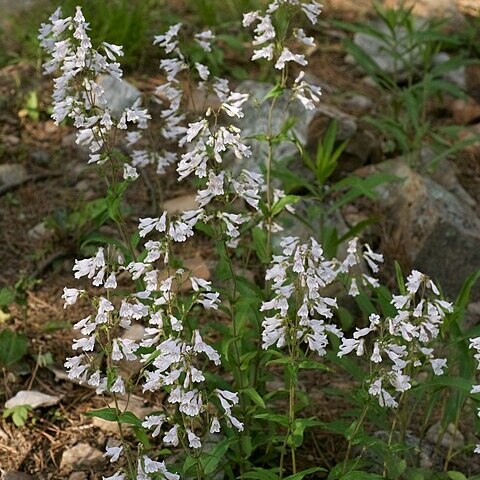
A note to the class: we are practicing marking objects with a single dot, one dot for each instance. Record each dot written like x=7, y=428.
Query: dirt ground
x=39, y=262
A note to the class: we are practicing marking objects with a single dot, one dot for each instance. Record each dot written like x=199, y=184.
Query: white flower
x=171, y=437
x=113, y=453
x=193, y=440
x=70, y=295
x=312, y=10
x=264, y=31
x=301, y=37
x=438, y=365
x=204, y=39
x=264, y=52
x=168, y=40
x=288, y=56
x=202, y=70
x=116, y=476
x=214, y=188
x=250, y=17
x=215, y=426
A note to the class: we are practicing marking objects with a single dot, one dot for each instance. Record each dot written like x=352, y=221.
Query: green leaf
x=7, y=296
x=130, y=418
x=273, y=417
x=13, y=346
x=453, y=475
x=299, y=427
x=260, y=240
x=312, y=365
x=276, y=91
x=261, y=474
x=211, y=460
x=18, y=413
x=304, y=473
x=108, y=414
x=254, y=396
x=395, y=466
x=358, y=475
x=283, y=202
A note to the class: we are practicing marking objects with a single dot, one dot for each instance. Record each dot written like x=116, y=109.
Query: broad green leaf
x=254, y=396
x=13, y=346
x=358, y=475
x=312, y=365
x=453, y=475
x=109, y=414
x=304, y=473
x=261, y=474
x=260, y=246
x=276, y=91
x=283, y=202
x=7, y=296
x=274, y=417
x=18, y=413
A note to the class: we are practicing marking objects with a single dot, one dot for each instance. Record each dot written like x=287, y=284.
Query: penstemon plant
x=207, y=345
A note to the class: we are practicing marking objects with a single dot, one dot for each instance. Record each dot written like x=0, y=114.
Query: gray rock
x=78, y=476
x=32, y=398
x=362, y=144
x=40, y=157
x=12, y=475
x=450, y=436
x=380, y=49
x=81, y=456
x=254, y=122
x=40, y=232
x=439, y=232
x=458, y=76
x=119, y=93
x=12, y=173
x=358, y=103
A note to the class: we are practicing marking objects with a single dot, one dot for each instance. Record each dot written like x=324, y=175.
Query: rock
x=78, y=476
x=472, y=315
x=81, y=456
x=199, y=101
x=451, y=436
x=357, y=103
x=457, y=76
x=40, y=157
x=446, y=175
x=12, y=173
x=32, y=398
x=472, y=134
x=427, y=8
x=379, y=50
x=362, y=144
x=40, y=232
x=136, y=333
x=254, y=122
x=465, y=111
x=439, y=233
x=119, y=93
x=181, y=203
x=469, y=7
x=12, y=475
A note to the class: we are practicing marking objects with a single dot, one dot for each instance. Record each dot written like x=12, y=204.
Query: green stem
x=353, y=435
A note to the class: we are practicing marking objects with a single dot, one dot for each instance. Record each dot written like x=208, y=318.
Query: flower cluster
x=269, y=44
x=298, y=277
x=402, y=343
x=475, y=345
x=173, y=362
x=78, y=91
